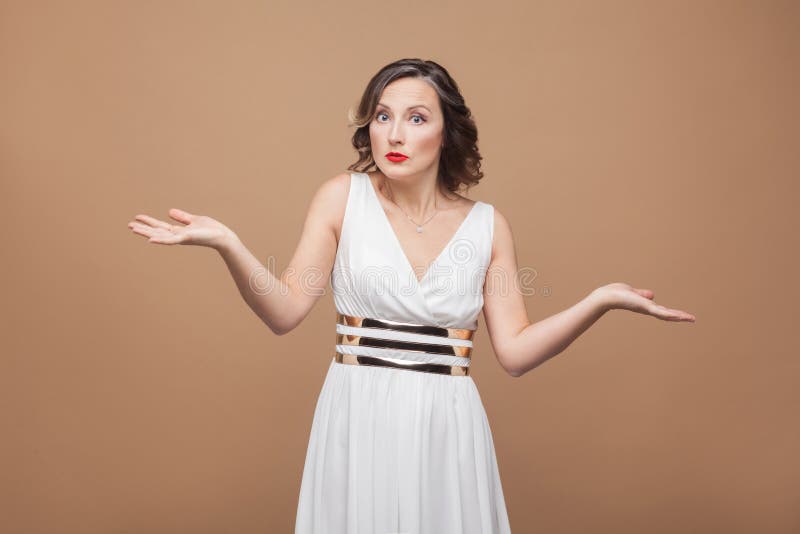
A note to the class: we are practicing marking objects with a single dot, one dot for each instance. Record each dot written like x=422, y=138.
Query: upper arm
x=503, y=304
x=311, y=265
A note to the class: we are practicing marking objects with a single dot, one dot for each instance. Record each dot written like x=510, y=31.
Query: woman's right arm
x=281, y=302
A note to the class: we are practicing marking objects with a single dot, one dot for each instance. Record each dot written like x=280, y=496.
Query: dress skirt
x=396, y=451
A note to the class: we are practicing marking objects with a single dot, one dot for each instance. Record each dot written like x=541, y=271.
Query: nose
x=396, y=133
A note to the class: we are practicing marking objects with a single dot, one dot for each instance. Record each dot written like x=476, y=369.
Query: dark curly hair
x=460, y=160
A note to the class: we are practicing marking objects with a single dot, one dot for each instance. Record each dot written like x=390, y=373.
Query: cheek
x=374, y=132
x=429, y=138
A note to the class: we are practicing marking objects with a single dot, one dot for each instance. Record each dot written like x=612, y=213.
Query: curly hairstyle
x=460, y=160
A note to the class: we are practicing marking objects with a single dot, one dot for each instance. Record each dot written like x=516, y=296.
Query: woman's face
x=408, y=120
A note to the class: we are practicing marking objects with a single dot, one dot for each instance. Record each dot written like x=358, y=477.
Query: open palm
x=620, y=295
x=199, y=230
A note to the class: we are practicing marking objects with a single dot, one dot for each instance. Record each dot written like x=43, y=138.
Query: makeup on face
x=406, y=129
x=396, y=157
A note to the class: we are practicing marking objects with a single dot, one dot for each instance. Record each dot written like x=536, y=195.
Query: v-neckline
x=400, y=248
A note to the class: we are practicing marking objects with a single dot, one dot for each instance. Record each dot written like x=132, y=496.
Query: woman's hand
x=624, y=297
x=198, y=230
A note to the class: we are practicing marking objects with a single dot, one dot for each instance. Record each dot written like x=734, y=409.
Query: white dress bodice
x=372, y=276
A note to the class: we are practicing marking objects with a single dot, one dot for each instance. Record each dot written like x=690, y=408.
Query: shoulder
x=502, y=236
x=330, y=201
x=335, y=188
x=500, y=221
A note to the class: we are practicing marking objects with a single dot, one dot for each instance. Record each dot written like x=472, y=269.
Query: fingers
x=668, y=314
x=138, y=228
x=155, y=223
x=170, y=239
x=662, y=312
x=157, y=231
x=180, y=215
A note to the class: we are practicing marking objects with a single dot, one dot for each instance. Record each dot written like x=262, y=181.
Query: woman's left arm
x=521, y=345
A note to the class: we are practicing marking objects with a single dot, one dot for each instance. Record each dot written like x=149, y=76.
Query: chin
x=392, y=170
x=401, y=175
x=399, y=169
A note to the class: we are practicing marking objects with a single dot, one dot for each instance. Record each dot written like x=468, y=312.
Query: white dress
x=400, y=451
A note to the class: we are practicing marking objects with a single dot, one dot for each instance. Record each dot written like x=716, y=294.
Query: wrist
x=600, y=301
x=226, y=242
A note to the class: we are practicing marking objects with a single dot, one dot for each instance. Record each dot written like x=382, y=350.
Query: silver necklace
x=419, y=226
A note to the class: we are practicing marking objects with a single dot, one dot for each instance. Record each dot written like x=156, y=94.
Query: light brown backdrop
x=648, y=142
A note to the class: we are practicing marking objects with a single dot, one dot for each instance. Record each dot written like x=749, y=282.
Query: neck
x=417, y=196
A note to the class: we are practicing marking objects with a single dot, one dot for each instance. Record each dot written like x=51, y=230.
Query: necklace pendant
x=419, y=229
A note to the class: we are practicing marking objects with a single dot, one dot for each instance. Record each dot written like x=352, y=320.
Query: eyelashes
x=422, y=119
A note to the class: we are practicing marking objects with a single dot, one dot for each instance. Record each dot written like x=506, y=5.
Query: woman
x=400, y=441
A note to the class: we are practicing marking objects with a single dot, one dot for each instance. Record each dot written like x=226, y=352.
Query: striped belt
x=428, y=347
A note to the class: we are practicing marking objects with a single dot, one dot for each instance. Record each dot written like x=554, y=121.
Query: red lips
x=396, y=157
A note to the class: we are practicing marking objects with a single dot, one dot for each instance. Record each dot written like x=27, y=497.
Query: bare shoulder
x=329, y=202
x=333, y=191
x=503, y=238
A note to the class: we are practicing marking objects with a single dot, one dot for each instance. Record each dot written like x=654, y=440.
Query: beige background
x=648, y=142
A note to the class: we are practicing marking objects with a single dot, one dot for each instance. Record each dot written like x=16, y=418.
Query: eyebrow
x=410, y=107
